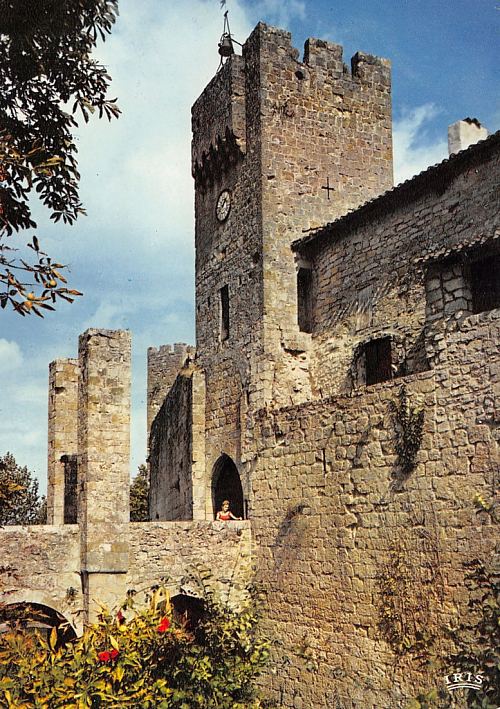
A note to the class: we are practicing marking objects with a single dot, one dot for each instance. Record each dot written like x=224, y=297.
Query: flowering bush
x=147, y=660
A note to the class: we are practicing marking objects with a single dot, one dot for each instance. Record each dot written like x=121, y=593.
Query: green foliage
x=48, y=78
x=409, y=423
x=139, y=496
x=430, y=700
x=19, y=499
x=139, y=659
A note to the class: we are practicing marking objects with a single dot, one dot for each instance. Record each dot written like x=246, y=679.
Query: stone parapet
x=189, y=557
x=193, y=557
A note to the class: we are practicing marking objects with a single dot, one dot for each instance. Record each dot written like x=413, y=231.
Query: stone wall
x=219, y=122
x=344, y=518
x=227, y=253
x=43, y=565
x=370, y=269
x=191, y=555
x=164, y=364
x=62, y=431
x=73, y=568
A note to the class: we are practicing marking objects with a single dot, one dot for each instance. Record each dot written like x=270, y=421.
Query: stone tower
x=280, y=146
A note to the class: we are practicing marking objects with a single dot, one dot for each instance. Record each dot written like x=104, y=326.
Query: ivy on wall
x=409, y=425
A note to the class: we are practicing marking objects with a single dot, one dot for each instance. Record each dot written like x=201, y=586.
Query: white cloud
x=11, y=357
x=414, y=151
x=109, y=315
x=281, y=13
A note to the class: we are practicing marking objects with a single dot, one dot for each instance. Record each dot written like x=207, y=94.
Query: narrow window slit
x=304, y=299
x=224, y=313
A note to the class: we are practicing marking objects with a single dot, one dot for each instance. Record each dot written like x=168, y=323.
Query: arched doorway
x=187, y=610
x=35, y=616
x=226, y=485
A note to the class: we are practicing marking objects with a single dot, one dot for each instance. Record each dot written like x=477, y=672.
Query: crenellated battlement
x=221, y=113
x=319, y=56
x=328, y=57
x=176, y=348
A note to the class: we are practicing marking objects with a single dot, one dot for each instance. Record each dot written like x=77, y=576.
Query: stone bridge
x=70, y=569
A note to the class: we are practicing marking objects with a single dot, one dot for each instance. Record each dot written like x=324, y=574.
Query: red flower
x=164, y=625
x=108, y=656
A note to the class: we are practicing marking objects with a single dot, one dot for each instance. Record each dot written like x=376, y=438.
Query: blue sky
x=133, y=254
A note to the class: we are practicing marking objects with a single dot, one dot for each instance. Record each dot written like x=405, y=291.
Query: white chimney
x=464, y=133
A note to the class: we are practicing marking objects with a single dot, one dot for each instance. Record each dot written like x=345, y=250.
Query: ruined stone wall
x=164, y=364
x=344, y=519
x=370, y=273
x=43, y=564
x=178, y=489
x=62, y=431
x=170, y=456
x=189, y=555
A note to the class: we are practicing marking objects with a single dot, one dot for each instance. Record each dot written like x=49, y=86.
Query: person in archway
x=225, y=514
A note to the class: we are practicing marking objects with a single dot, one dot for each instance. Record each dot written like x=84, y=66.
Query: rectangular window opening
x=304, y=299
x=378, y=360
x=485, y=284
x=224, y=313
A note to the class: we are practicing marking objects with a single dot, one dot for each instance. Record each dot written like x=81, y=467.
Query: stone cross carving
x=328, y=188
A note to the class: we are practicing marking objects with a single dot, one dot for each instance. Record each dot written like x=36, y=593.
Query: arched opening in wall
x=187, y=610
x=226, y=485
x=31, y=617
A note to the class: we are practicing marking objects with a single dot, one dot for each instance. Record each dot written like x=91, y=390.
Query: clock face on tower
x=223, y=206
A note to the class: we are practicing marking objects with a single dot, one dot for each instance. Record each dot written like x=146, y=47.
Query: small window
x=304, y=299
x=378, y=360
x=485, y=284
x=224, y=313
